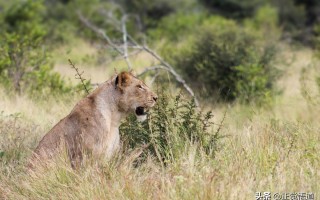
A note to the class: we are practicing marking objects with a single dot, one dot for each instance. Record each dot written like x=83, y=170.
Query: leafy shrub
x=45, y=81
x=228, y=61
x=23, y=34
x=173, y=124
x=23, y=58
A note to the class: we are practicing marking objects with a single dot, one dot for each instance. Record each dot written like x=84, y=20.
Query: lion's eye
x=140, y=87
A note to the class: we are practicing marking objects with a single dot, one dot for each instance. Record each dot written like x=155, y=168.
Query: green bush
x=44, y=81
x=228, y=61
x=21, y=38
x=173, y=124
x=24, y=62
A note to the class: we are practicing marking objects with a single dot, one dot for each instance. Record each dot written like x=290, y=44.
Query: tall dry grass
x=272, y=149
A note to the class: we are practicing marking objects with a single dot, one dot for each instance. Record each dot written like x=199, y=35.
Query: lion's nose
x=155, y=98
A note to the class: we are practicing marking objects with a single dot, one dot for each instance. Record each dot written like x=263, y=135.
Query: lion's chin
x=141, y=114
x=141, y=118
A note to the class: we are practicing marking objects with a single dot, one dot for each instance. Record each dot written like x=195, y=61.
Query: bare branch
x=125, y=44
x=152, y=68
x=172, y=71
x=124, y=52
x=163, y=64
x=169, y=68
x=99, y=31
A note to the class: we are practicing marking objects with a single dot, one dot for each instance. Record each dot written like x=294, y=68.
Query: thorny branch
x=78, y=75
x=123, y=51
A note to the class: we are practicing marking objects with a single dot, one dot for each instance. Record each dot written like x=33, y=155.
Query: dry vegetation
x=272, y=149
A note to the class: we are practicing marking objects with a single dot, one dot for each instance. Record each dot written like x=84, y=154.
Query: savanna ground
x=273, y=149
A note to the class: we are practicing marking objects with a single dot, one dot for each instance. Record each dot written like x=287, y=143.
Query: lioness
x=93, y=124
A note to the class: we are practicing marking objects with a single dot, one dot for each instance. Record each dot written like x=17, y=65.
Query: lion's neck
x=106, y=102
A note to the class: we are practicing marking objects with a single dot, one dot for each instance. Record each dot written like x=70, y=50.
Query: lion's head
x=135, y=95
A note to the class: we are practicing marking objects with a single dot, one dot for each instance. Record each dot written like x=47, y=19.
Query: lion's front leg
x=113, y=143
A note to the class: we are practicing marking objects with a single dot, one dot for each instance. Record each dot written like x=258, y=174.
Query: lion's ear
x=122, y=80
x=132, y=72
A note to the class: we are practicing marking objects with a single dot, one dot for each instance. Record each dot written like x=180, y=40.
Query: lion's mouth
x=141, y=111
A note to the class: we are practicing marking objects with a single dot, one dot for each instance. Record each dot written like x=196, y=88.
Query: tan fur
x=93, y=124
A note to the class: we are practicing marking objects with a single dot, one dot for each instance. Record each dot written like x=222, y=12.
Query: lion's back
x=51, y=142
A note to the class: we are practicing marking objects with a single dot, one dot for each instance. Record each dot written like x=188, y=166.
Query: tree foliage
x=229, y=62
x=23, y=59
